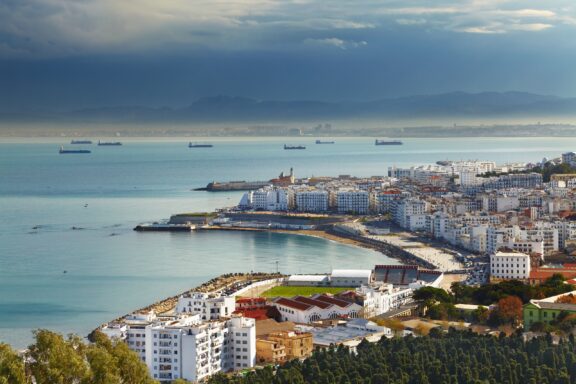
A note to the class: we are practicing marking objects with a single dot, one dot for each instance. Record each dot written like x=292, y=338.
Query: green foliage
x=432, y=294
x=11, y=366
x=550, y=169
x=443, y=311
x=546, y=171
x=491, y=293
x=53, y=359
x=456, y=357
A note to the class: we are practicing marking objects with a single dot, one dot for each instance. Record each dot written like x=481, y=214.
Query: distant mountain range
x=228, y=108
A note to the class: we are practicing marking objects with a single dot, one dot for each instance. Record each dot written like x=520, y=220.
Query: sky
x=71, y=54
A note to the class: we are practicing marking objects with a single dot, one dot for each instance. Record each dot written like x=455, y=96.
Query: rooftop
x=357, y=273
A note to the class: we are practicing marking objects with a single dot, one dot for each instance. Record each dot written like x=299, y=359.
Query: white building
x=381, y=201
x=509, y=265
x=311, y=201
x=353, y=201
x=411, y=214
x=301, y=309
x=379, y=300
x=350, y=277
x=265, y=199
x=208, y=306
x=189, y=348
x=308, y=280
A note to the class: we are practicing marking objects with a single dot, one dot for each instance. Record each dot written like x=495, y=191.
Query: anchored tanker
x=66, y=151
x=294, y=146
x=109, y=143
x=199, y=145
x=387, y=142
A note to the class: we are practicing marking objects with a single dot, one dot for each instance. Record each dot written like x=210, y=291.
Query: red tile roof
x=293, y=304
x=316, y=303
x=332, y=300
x=544, y=273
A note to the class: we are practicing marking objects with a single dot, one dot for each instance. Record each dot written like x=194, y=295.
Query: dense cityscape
x=486, y=249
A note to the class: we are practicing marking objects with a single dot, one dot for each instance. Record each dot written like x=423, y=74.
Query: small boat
x=66, y=151
x=387, y=142
x=199, y=145
x=294, y=146
x=324, y=142
x=81, y=142
x=109, y=143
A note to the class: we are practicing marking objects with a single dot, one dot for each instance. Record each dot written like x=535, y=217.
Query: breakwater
x=228, y=284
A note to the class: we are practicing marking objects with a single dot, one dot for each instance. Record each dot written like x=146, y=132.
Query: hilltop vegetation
x=459, y=357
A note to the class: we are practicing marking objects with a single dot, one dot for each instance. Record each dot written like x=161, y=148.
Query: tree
x=431, y=294
x=11, y=366
x=55, y=360
x=509, y=311
x=480, y=314
x=132, y=369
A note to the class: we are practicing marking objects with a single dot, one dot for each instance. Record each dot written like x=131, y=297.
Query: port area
x=368, y=232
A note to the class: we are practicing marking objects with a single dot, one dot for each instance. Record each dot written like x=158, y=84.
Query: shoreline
x=389, y=250
x=226, y=280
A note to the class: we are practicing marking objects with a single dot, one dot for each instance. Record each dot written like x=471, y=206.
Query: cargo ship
x=65, y=151
x=164, y=227
x=81, y=142
x=387, y=142
x=109, y=143
x=294, y=146
x=324, y=142
x=199, y=145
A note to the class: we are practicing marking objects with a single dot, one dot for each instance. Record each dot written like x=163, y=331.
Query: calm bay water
x=111, y=270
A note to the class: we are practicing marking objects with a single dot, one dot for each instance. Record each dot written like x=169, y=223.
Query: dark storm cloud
x=69, y=54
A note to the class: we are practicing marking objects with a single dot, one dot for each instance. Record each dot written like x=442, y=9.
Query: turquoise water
x=112, y=270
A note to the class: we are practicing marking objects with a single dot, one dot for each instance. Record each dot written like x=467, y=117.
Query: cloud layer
x=65, y=27
x=66, y=54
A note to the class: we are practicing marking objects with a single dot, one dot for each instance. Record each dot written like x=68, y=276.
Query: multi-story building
x=381, y=201
x=210, y=306
x=190, y=348
x=353, y=202
x=278, y=347
x=411, y=213
x=377, y=300
x=311, y=200
x=265, y=199
x=569, y=158
x=509, y=265
x=515, y=180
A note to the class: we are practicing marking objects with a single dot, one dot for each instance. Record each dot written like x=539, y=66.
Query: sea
x=69, y=259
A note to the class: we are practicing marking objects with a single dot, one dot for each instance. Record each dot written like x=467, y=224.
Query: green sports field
x=286, y=291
